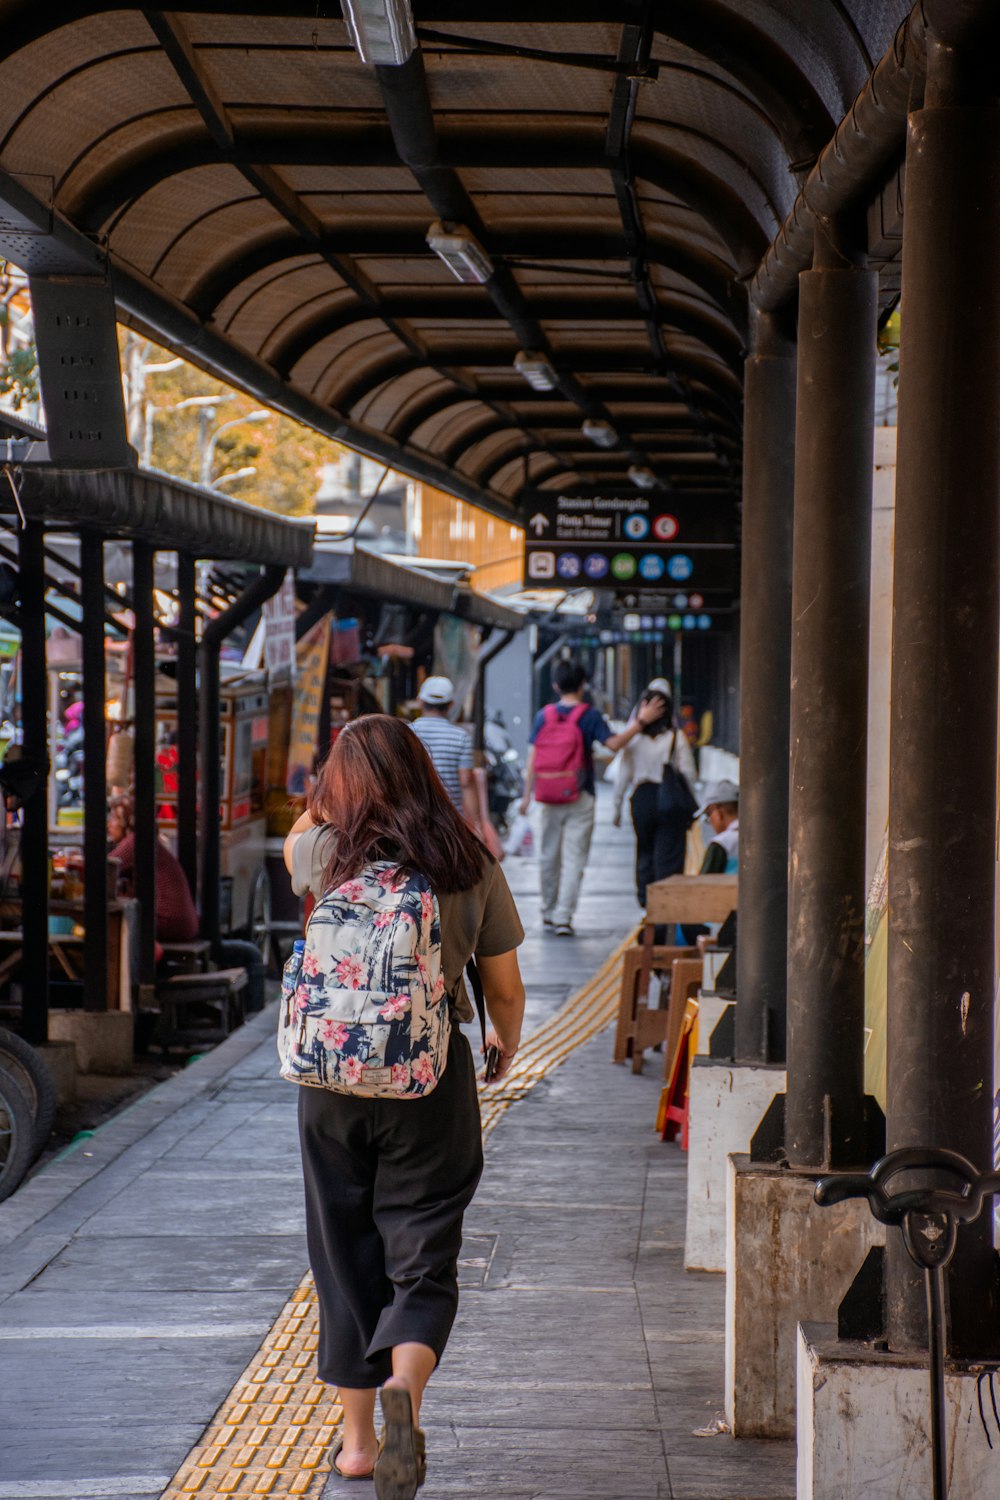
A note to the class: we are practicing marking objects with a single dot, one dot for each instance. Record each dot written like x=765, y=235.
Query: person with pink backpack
x=560, y=772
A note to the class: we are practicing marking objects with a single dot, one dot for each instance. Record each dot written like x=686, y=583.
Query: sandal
x=401, y=1466
x=335, y=1454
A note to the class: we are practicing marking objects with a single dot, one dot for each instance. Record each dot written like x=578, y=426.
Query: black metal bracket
x=928, y=1219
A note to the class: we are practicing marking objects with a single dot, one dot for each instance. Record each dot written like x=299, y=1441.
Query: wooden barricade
x=679, y=898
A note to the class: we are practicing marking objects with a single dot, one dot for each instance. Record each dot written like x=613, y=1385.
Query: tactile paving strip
x=274, y=1432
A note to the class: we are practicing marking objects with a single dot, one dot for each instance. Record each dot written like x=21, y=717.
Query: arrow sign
x=539, y=523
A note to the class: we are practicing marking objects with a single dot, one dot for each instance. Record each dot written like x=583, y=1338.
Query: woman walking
x=660, y=840
x=391, y=1145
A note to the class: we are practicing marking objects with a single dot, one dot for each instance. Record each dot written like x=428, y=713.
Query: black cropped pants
x=660, y=846
x=387, y=1183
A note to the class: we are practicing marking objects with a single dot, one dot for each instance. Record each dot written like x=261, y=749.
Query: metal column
x=765, y=670
x=144, y=668
x=187, y=722
x=831, y=568
x=95, y=793
x=943, y=738
x=35, y=813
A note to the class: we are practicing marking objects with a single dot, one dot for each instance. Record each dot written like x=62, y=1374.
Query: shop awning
x=363, y=572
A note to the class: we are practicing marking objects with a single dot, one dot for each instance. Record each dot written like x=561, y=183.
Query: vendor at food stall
x=176, y=917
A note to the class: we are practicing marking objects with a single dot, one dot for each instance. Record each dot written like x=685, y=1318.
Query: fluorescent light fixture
x=380, y=30
x=536, y=370
x=602, y=434
x=643, y=478
x=461, y=252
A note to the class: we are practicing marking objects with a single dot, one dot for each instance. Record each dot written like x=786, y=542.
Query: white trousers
x=567, y=829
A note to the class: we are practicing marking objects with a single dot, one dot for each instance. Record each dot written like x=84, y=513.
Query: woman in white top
x=659, y=844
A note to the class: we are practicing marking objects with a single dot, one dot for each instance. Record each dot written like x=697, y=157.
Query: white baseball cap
x=437, y=691
x=716, y=792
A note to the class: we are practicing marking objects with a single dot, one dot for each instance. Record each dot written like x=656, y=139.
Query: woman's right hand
x=507, y=1055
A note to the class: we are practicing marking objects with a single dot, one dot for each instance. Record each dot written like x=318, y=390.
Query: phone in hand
x=492, y=1063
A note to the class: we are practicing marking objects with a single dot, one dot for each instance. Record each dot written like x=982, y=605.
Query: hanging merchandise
x=121, y=745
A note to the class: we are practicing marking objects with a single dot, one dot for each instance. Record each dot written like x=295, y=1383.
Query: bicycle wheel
x=17, y=1133
x=35, y=1082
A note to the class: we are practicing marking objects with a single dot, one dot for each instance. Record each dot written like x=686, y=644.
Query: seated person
x=721, y=806
x=176, y=917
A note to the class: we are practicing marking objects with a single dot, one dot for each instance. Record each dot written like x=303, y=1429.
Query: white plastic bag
x=520, y=839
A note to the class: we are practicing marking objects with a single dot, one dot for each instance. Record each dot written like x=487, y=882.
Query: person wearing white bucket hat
x=448, y=745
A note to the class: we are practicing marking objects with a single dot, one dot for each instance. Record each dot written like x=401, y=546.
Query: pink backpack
x=560, y=755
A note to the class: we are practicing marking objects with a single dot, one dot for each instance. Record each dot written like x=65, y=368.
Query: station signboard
x=627, y=541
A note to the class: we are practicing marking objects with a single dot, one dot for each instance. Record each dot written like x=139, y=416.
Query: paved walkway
x=140, y=1274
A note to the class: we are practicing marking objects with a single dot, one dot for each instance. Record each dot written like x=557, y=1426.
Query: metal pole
x=831, y=568
x=187, y=722
x=943, y=737
x=144, y=668
x=35, y=813
x=765, y=672
x=95, y=792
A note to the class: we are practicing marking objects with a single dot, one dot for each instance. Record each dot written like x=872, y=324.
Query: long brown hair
x=380, y=791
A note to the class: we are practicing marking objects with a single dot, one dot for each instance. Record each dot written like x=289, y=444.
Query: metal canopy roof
x=143, y=503
x=263, y=198
x=365, y=572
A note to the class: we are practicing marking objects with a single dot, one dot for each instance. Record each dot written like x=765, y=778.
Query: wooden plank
x=691, y=898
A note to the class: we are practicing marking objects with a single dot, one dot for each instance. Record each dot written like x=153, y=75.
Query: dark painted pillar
x=95, y=792
x=765, y=668
x=35, y=814
x=831, y=570
x=187, y=722
x=144, y=669
x=943, y=738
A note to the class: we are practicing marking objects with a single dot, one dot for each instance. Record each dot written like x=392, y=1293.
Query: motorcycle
x=504, y=782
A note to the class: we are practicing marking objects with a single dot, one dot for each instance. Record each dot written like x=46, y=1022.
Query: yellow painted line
x=274, y=1431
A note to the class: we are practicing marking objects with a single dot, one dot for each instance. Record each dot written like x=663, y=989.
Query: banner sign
x=279, y=632
x=313, y=653
x=627, y=541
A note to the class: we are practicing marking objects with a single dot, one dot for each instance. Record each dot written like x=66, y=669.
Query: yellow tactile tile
x=273, y=1434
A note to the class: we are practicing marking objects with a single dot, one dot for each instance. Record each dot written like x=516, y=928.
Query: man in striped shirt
x=448, y=746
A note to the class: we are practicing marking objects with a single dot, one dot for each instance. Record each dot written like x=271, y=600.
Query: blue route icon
x=636, y=527
x=680, y=567
x=704, y=622
x=595, y=565
x=651, y=567
x=568, y=565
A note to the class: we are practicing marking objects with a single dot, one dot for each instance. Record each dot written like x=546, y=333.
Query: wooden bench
x=220, y=992
x=678, y=899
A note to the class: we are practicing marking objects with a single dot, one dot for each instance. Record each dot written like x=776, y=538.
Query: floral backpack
x=363, y=1003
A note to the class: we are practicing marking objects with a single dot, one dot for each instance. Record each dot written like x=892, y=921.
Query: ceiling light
x=380, y=30
x=600, y=433
x=461, y=252
x=536, y=370
x=642, y=478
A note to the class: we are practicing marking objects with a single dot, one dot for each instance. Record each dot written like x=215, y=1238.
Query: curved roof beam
x=469, y=303
x=592, y=361
x=701, y=269
x=463, y=143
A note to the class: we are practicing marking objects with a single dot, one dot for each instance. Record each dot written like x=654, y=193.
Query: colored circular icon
x=651, y=567
x=696, y=601
x=674, y=622
x=680, y=601
x=680, y=567
x=689, y=622
x=568, y=565
x=660, y=622
x=665, y=528
x=704, y=622
x=636, y=527
x=595, y=565
x=623, y=566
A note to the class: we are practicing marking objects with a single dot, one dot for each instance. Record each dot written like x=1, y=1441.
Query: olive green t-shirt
x=482, y=921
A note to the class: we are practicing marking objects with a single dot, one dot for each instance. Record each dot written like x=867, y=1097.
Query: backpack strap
x=577, y=712
x=477, y=990
x=550, y=714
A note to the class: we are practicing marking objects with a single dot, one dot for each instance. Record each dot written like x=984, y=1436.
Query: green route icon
x=623, y=566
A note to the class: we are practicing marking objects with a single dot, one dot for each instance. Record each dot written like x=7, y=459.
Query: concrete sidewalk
x=140, y=1273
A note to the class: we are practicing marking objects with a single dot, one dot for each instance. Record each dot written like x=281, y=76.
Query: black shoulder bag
x=674, y=799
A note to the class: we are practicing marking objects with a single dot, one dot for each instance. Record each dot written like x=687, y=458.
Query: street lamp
x=243, y=473
x=208, y=447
